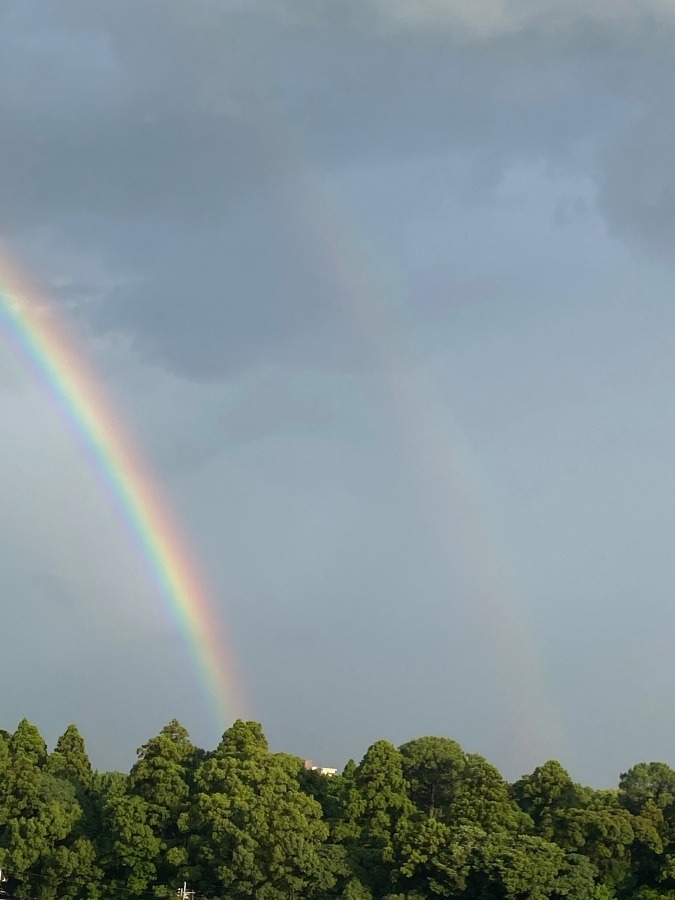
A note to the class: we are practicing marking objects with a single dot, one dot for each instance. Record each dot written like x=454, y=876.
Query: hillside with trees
x=423, y=820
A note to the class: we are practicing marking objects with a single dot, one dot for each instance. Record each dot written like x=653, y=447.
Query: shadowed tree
x=648, y=791
x=4, y=751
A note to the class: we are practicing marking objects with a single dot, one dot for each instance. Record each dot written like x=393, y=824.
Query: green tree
x=515, y=867
x=548, y=789
x=433, y=858
x=130, y=848
x=161, y=775
x=441, y=860
x=377, y=803
x=648, y=791
x=329, y=792
x=254, y=833
x=23, y=835
x=482, y=797
x=70, y=761
x=43, y=846
x=653, y=781
x=433, y=767
x=4, y=752
x=21, y=786
x=67, y=865
x=604, y=836
x=243, y=740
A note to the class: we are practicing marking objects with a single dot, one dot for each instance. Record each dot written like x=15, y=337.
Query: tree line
x=423, y=820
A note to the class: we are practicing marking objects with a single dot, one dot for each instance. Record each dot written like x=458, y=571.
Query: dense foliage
x=425, y=820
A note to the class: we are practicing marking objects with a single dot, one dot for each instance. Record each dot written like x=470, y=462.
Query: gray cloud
x=638, y=193
x=172, y=148
x=487, y=19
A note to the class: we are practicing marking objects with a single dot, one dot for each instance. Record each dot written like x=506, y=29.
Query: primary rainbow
x=37, y=333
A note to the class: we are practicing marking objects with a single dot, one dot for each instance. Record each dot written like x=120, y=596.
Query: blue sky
x=385, y=291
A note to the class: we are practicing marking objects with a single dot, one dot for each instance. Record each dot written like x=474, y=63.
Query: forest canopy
x=423, y=820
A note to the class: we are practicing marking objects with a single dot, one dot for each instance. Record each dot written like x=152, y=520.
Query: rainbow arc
x=41, y=338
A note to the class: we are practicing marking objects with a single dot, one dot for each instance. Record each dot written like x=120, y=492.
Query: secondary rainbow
x=447, y=481
x=40, y=336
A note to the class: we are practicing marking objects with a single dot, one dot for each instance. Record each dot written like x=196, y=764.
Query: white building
x=322, y=770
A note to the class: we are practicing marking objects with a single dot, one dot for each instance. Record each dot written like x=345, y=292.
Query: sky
x=382, y=293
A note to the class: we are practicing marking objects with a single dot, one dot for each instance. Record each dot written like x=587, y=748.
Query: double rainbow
x=41, y=338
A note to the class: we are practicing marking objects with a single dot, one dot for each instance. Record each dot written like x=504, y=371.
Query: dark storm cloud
x=214, y=300
x=113, y=115
x=168, y=141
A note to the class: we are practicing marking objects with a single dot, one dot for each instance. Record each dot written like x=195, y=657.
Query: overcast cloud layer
x=385, y=292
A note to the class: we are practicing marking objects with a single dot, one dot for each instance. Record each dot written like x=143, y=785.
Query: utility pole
x=183, y=892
